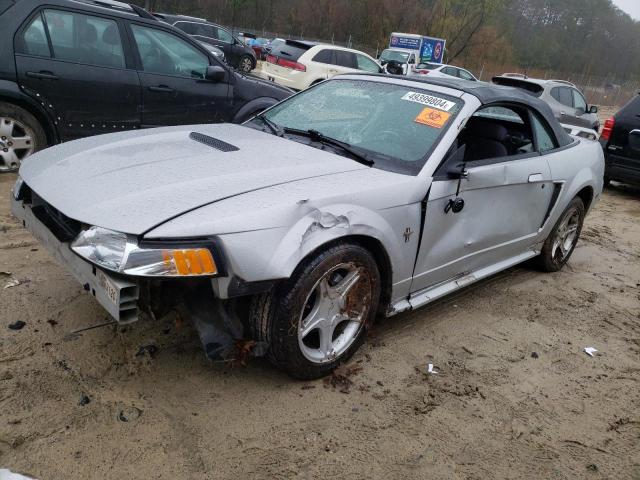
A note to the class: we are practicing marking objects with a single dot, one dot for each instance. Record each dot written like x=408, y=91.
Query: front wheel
x=562, y=241
x=319, y=317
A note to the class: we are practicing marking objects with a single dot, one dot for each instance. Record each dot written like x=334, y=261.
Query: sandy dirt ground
x=515, y=396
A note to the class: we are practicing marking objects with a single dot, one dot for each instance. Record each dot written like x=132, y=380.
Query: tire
x=20, y=128
x=555, y=255
x=278, y=317
x=245, y=64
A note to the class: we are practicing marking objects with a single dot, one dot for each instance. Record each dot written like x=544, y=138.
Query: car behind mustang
x=363, y=195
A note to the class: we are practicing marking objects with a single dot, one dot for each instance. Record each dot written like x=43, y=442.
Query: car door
x=172, y=75
x=566, y=111
x=320, y=64
x=495, y=212
x=77, y=66
x=580, y=112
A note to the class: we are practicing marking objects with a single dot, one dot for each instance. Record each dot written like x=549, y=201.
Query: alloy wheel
x=334, y=313
x=246, y=64
x=566, y=235
x=16, y=143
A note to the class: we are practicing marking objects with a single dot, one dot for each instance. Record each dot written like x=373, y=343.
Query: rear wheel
x=20, y=136
x=319, y=317
x=562, y=241
x=245, y=65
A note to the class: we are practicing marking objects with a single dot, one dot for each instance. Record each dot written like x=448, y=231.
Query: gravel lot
x=515, y=396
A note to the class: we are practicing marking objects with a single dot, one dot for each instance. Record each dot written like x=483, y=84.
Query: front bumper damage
x=219, y=327
x=118, y=295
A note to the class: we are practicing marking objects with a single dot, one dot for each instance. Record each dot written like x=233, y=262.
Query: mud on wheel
x=320, y=316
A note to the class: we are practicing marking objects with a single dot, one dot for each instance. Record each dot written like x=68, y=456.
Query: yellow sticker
x=432, y=117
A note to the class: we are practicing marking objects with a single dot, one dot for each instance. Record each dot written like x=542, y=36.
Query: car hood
x=134, y=181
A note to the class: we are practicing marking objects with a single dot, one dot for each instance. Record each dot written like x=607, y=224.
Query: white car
x=442, y=70
x=299, y=64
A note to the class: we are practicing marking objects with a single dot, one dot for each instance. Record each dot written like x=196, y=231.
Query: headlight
x=119, y=253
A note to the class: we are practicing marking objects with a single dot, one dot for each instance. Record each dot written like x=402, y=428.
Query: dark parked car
x=620, y=140
x=238, y=54
x=71, y=69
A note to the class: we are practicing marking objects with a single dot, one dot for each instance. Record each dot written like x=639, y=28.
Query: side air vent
x=213, y=142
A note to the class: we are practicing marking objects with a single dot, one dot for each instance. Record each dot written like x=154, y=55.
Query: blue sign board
x=432, y=50
x=410, y=43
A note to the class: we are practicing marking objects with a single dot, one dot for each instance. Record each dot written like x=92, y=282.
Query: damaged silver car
x=365, y=195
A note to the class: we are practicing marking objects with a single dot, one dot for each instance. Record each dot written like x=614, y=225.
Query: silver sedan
x=365, y=195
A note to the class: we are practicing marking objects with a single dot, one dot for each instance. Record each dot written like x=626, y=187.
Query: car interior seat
x=485, y=139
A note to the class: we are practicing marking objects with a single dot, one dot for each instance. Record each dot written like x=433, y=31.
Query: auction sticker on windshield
x=429, y=100
x=432, y=117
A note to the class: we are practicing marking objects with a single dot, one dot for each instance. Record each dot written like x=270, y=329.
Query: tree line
x=585, y=37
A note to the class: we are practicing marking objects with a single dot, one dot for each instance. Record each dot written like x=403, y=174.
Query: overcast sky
x=632, y=7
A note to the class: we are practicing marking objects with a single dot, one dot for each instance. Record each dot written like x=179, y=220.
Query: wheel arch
x=380, y=255
x=586, y=195
x=252, y=107
x=10, y=93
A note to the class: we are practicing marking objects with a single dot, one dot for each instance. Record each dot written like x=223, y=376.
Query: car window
x=289, y=50
x=563, y=95
x=544, y=137
x=397, y=124
x=367, y=64
x=34, y=39
x=324, y=56
x=465, y=75
x=449, y=71
x=85, y=39
x=427, y=66
x=224, y=35
x=187, y=27
x=578, y=101
x=164, y=53
x=346, y=59
x=497, y=133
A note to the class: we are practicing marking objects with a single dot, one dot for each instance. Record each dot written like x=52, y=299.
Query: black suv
x=238, y=54
x=75, y=68
x=620, y=140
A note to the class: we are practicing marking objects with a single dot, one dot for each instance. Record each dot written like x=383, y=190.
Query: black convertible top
x=488, y=94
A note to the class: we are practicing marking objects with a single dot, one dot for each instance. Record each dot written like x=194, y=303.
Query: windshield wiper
x=275, y=128
x=316, y=136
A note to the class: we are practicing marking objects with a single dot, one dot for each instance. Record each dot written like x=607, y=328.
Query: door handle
x=42, y=75
x=536, y=177
x=162, y=88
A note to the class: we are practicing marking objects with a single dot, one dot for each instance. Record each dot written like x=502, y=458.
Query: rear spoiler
x=529, y=87
x=300, y=44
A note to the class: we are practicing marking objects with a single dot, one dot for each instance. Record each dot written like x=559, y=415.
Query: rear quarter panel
x=578, y=167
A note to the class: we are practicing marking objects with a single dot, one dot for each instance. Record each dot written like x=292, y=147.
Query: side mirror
x=215, y=73
x=593, y=109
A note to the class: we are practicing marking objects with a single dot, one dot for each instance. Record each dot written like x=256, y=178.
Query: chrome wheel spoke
x=6, y=127
x=326, y=340
x=22, y=143
x=342, y=289
x=326, y=329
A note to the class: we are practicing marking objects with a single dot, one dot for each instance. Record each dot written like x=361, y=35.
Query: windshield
x=394, y=55
x=393, y=125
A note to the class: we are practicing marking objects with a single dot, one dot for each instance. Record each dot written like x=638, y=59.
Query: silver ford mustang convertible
x=365, y=195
